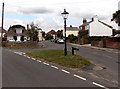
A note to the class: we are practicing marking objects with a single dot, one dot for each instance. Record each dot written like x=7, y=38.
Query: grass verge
x=57, y=56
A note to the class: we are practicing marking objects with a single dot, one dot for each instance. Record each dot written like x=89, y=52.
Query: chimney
x=84, y=20
x=95, y=18
x=27, y=26
x=71, y=26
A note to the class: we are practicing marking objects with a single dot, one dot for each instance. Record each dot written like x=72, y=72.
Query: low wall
x=108, y=43
x=20, y=44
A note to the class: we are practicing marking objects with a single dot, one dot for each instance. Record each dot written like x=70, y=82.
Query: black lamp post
x=65, y=15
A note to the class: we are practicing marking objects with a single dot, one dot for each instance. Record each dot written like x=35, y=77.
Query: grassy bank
x=57, y=56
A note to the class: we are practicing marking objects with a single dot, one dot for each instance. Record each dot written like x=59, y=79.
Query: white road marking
x=28, y=57
x=38, y=61
x=79, y=77
x=23, y=53
x=65, y=71
x=99, y=85
x=33, y=58
x=54, y=67
x=46, y=63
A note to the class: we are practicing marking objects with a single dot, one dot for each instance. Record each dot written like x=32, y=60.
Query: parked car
x=56, y=40
x=117, y=35
x=60, y=41
x=52, y=40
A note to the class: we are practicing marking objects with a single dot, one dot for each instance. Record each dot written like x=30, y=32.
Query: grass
x=57, y=56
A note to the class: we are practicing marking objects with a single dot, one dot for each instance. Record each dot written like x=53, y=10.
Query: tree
x=32, y=32
x=116, y=17
x=48, y=37
x=82, y=33
x=83, y=36
x=43, y=34
x=72, y=38
x=60, y=33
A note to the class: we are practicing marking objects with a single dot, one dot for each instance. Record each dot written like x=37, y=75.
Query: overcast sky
x=47, y=13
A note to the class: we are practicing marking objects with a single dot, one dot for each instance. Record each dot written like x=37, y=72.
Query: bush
x=20, y=44
x=72, y=38
x=4, y=39
x=48, y=37
x=86, y=39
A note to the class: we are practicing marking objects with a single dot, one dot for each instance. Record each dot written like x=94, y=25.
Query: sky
x=46, y=14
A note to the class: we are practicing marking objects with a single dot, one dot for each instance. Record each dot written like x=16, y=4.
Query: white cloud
x=44, y=9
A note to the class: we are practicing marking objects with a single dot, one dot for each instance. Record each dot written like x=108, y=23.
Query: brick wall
x=108, y=43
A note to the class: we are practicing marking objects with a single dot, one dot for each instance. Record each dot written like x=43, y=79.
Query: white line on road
x=54, y=67
x=79, y=77
x=24, y=53
x=38, y=61
x=99, y=85
x=28, y=57
x=46, y=63
x=33, y=58
x=65, y=71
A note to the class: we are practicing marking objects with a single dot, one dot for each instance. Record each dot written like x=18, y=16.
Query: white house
x=40, y=35
x=16, y=33
x=119, y=9
x=97, y=27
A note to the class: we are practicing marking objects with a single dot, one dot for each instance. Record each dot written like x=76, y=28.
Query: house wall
x=40, y=35
x=10, y=38
x=75, y=33
x=2, y=34
x=19, y=31
x=108, y=43
x=99, y=29
x=18, y=38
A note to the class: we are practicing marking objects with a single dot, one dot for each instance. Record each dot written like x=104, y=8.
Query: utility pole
x=2, y=20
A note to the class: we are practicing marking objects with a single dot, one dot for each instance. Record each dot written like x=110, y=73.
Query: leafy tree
x=32, y=32
x=60, y=33
x=71, y=38
x=116, y=17
x=82, y=33
x=48, y=37
x=43, y=34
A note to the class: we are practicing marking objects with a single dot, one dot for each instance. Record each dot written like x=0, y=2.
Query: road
x=19, y=71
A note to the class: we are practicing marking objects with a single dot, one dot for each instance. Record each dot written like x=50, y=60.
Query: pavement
x=99, y=48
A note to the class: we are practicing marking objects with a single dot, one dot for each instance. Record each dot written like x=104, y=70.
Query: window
x=19, y=31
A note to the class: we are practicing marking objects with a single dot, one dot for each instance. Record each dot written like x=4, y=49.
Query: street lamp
x=65, y=15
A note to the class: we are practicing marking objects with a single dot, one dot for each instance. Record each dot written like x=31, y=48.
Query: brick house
x=53, y=33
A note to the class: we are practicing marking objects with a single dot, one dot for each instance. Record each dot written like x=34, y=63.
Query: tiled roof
x=11, y=31
x=105, y=24
x=4, y=31
x=72, y=29
x=51, y=32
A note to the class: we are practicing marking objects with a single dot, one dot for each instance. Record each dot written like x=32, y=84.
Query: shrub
x=72, y=38
x=86, y=39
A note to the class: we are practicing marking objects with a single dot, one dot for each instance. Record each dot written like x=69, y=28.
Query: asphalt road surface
x=20, y=71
